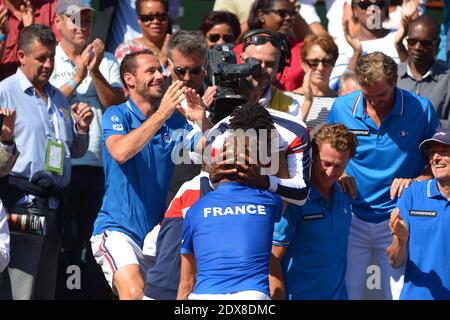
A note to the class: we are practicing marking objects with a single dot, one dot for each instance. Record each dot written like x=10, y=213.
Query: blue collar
x=135, y=110
x=314, y=194
x=25, y=83
x=359, y=108
x=433, y=190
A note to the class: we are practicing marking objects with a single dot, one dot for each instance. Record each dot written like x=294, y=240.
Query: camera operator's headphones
x=261, y=36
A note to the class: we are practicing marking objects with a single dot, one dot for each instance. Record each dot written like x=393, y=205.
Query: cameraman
x=272, y=50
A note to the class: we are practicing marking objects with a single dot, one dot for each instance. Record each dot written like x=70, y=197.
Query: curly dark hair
x=251, y=116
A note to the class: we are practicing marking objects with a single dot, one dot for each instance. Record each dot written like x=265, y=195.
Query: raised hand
x=351, y=40
x=27, y=12
x=171, y=99
x=208, y=96
x=83, y=115
x=398, y=226
x=3, y=20
x=9, y=118
x=96, y=53
x=195, y=110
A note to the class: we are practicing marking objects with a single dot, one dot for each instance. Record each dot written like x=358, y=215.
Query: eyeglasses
x=366, y=4
x=260, y=39
x=314, y=63
x=283, y=13
x=181, y=72
x=424, y=43
x=214, y=37
x=150, y=17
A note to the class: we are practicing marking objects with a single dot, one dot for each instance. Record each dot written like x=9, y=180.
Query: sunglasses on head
x=260, y=39
x=424, y=43
x=150, y=17
x=214, y=37
x=314, y=63
x=366, y=4
x=181, y=72
x=283, y=13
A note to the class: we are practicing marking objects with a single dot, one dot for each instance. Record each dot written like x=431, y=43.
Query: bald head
x=426, y=24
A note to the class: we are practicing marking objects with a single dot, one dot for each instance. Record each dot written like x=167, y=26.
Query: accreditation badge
x=54, y=157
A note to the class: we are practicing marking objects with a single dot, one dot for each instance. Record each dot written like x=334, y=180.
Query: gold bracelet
x=161, y=114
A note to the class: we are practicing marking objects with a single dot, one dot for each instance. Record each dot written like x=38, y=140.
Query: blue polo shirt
x=136, y=191
x=316, y=235
x=386, y=152
x=427, y=214
x=230, y=232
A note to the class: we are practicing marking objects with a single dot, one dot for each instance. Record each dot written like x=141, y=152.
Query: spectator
x=3, y=29
x=220, y=27
x=138, y=140
x=188, y=56
x=390, y=123
x=419, y=226
x=309, y=251
x=85, y=73
x=22, y=13
x=8, y=156
x=279, y=16
x=240, y=8
x=348, y=83
x=153, y=19
x=218, y=251
x=46, y=141
x=318, y=53
x=421, y=73
x=370, y=36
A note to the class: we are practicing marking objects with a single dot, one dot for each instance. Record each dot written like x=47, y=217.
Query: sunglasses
x=260, y=39
x=214, y=37
x=283, y=13
x=181, y=72
x=150, y=17
x=424, y=43
x=366, y=4
x=314, y=63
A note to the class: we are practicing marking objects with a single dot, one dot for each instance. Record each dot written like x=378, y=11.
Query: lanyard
x=54, y=116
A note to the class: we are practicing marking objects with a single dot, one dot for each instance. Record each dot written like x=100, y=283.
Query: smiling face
x=147, y=80
x=279, y=18
x=439, y=157
x=153, y=20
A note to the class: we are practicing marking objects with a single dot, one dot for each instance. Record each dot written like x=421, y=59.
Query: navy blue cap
x=442, y=136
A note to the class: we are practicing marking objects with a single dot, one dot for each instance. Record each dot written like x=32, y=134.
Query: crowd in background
x=91, y=110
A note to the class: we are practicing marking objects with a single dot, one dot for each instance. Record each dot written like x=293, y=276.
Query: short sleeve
x=187, y=245
x=114, y=122
x=286, y=227
x=112, y=75
x=404, y=204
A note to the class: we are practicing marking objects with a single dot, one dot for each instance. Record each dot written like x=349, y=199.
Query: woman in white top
x=318, y=53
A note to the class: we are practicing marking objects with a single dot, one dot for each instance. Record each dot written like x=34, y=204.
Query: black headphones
x=277, y=39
